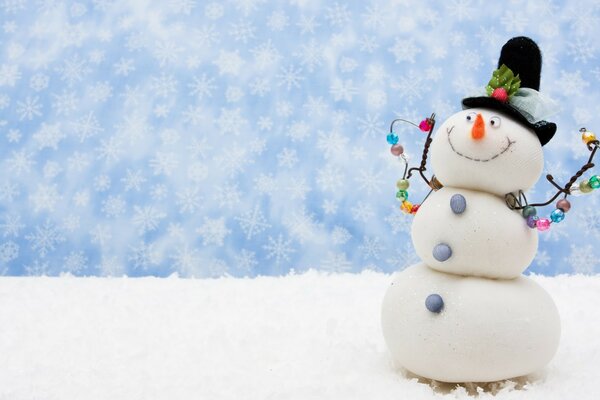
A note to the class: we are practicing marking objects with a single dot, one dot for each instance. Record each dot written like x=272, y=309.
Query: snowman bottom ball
x=454, y=328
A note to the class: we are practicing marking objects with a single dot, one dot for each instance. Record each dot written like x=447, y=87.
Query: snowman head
x=495, y=144
x=487, y=150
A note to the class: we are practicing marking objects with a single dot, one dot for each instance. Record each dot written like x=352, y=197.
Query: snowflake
x=166, y=52
x=100, y=92
x=330, y=207
x=13, y=6
x=29, y=108
x=542, y=258
x=45, y=197
x=9, y=75
x=37, y=268
x=404, y=50
x=109, y=150
x=331, y=143
x=101, y=235
x=65, y=103
x=133, y=180
x=146, y=219
x=330, y=178
x=336, y=262
x=410, y=86
x=214, y=10
x=290, y=77
x=231, y=121
x=246, y=260
x=202, y=86
x=298, y=131
x=368, y=44
x=49, y=136
x=164, y=163
x=338, y=15
x=8, y=191
x=343, y=90
x=20, y=162
x=86, y=127
x=11, y=225
x=362, y=212
x=371, y=247
x=111, y=266
x=75, y=262
x=189, y=200
x=260, y=87
x=113, y=206
x=279, y=249
x=229, y=62
x=45, y=238
x=461, y=9
x=310, y=55
x=371, y=126
x=514, y=21
x=287, y=158
x=307, y=24
x=277, y=21
x=186, y=260
x=227, y=196
x=404, y=256
x=9, y=251
x=399, y=222
x=124, y=67
x=73, y=70
x=370, y=182
x=374, y=17
x=582, y=259
x=164, y=85
x=144, y=256
x=182, y=6
x=315, y=106
x=213, y=231
x=302, y=225
x=242, y=31
x=340, y=235
x=252, y=222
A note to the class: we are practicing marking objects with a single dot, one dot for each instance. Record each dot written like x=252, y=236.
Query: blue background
x=247, y=137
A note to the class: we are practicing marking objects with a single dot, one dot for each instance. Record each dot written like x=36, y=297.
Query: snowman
x=466, y=313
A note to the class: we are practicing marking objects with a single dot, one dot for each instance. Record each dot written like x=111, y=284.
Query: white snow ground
x=310, y=336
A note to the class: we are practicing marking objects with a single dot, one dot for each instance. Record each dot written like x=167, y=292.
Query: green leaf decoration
x=503, y=77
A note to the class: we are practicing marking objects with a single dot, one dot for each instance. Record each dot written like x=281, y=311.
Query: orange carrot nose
x=478, y=130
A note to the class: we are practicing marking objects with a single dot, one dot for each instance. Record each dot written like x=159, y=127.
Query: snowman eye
x=471, y=117
x=495, y=122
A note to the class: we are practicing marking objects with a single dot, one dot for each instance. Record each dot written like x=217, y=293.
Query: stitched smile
x=504, y=149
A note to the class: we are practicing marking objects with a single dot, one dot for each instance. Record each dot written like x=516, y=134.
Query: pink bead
x=564, y=205
x=424, y=126
x=543, y=224
x=397, y=149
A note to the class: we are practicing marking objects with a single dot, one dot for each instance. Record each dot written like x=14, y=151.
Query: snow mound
x=310, y=336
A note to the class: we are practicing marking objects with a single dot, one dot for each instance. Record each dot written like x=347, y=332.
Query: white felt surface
x=300, y=337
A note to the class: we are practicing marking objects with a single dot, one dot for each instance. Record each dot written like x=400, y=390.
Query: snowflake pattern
x=206, y=139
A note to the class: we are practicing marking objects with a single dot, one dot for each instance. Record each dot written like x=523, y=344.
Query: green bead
x=402, y=184
x=594, y=182
x=402, y=195
x=585, y=187
x=529, y=211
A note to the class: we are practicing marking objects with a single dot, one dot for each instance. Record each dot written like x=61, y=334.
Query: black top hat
x=522, y=55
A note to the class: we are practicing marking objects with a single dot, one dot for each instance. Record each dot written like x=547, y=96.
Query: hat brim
x=544, y=130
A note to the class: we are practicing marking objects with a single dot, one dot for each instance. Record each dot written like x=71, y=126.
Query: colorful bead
x=397, y=149
x=406, y=206
x=392, y=138
x=415, y=208
x=594, y=182
x=402, y=184
x=529, y=211
x=402, y=195
x=557, y=215
x=585, y=187
x=587, y=136
x=532, y=221
x=543, y=224
x=563, y=204
x=425, y=126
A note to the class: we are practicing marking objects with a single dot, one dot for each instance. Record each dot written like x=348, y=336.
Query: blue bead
x=557, y=215
x=458, y=204
x=434, y=303
x=392, y=139
x=442, y=252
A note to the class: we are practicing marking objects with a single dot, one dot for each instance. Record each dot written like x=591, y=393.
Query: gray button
x=458, y=204
x=442, y=252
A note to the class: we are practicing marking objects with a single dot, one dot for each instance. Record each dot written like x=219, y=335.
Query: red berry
x=500, y=94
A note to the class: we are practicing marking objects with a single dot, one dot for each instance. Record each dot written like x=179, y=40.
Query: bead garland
x=403, y=184
x=563, y=205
